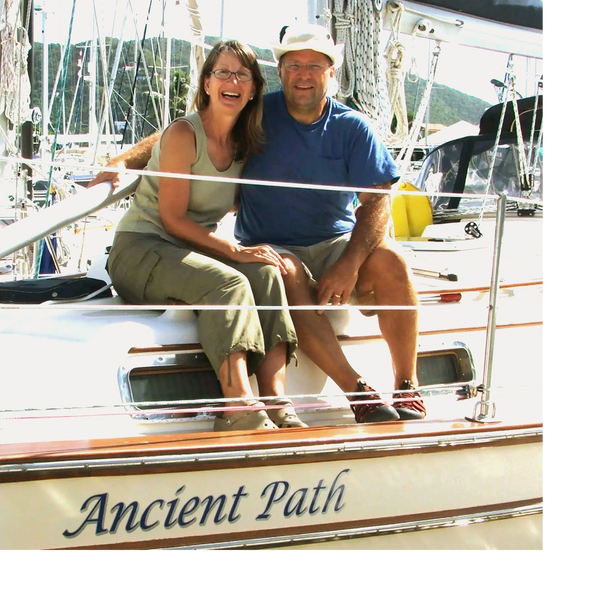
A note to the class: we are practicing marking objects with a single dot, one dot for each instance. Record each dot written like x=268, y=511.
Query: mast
x=315, y=12
x=107, y=117
x=27, y=127
x=45, y=108
x=92, y=70
x=167, y=30
x=133, y=104
x=222, y=18
x=196, y=50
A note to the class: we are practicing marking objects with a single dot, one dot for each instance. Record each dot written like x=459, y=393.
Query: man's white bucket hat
x=310, y=37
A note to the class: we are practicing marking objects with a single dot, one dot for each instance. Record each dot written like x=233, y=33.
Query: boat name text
x=278, y=498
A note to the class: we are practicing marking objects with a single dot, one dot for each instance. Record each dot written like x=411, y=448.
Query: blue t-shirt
x=339, y=149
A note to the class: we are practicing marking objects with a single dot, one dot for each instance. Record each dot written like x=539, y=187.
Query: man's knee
x=387, y=261
x=297, y=281
x=296, y=273
x=292, y=263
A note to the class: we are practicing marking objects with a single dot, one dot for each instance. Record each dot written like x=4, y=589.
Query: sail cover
x=522, y=13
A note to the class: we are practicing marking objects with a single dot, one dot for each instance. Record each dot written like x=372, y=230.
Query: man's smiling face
x=305, y=76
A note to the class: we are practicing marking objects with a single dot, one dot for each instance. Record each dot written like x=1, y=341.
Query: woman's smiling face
x=230, y=94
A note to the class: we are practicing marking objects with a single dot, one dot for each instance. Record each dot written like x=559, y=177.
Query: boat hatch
x=449, y=365
x=175, y=383
x=153, y=384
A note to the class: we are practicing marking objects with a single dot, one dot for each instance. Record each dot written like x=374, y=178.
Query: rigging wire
x=105, y=108
x=67, y=56
x=535, y=148
x=524, y=175
x=107, y=97
x=526, y=160
x=152, y=94
x=508, y=77
x=77, y=96
x=405, y=156
x=137, y=68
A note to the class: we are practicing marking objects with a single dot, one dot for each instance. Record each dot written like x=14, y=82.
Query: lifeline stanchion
x=484, y=411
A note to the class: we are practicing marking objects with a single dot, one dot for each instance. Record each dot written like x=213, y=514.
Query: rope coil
x=361, y=76
x=395, y=53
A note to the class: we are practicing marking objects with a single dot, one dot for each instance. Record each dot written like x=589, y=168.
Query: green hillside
x=71, y=104
x=446, y=106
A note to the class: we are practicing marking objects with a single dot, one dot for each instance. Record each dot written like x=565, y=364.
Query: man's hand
x=134, y=158
x=339, y=280
x=337, y=283
x=113, y=177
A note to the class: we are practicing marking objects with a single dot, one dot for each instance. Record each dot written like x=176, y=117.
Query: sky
x=245, y=20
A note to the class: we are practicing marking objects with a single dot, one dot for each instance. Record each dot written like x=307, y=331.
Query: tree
x=180, y=83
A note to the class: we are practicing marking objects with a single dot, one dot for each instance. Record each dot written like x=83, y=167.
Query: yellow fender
x=411, y=213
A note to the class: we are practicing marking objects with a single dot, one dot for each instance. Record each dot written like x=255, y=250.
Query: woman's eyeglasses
x=225, y=74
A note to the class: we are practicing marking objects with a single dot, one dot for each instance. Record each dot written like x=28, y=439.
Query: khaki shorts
x=319, y=257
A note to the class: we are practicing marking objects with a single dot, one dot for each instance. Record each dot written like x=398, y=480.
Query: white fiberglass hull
x=285, y=489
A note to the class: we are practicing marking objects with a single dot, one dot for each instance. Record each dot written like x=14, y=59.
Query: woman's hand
x=263, y=253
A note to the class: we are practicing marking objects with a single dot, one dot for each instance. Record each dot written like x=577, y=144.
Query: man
x=330, y=252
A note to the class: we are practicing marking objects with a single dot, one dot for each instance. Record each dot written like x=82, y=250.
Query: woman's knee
x=237, y=281
x=264, y=279
x=229, y=287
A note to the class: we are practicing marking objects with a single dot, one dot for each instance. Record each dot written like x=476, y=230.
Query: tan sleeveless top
x=209, y=201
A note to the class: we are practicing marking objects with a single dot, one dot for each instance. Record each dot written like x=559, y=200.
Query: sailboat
x=110, y=443
x=76, y=127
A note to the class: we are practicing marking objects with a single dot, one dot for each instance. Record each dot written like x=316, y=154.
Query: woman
x=166, y=249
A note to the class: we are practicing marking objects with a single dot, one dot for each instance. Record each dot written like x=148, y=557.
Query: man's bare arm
x=136, y=157
x=372, y=223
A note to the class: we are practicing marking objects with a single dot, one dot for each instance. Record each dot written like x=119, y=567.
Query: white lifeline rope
x=76, y=305
x=231, y=180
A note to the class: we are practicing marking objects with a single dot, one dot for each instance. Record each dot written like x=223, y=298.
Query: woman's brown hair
x=247, y=132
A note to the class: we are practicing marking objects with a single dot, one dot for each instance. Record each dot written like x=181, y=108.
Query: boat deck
x=87, y=415
x=356, y=440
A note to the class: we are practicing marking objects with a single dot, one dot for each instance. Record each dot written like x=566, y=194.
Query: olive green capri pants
x=145, y=269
